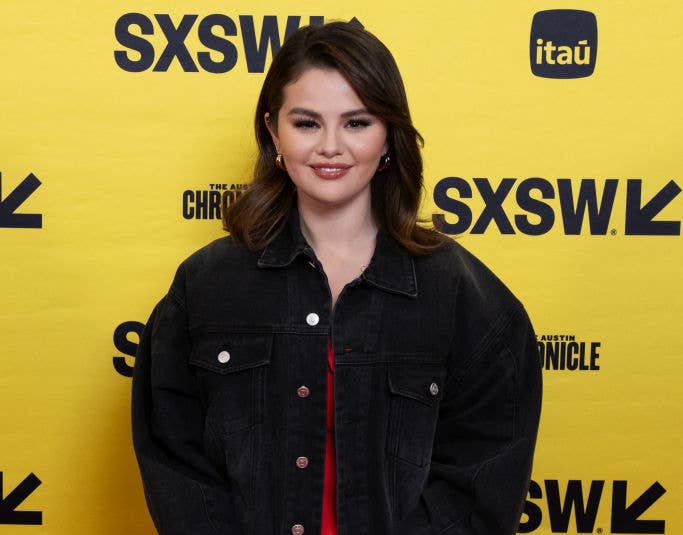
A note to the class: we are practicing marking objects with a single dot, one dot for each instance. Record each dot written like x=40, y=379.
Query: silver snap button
x=303, y=391
x=297, y=529
x=312, y=319
x=434, y=389
x=223, y=357
x=302, y=462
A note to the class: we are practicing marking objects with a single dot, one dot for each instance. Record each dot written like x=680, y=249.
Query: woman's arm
x=184, y=492
x=485, y=439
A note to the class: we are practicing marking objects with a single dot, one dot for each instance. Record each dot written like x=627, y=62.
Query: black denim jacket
x=437, y=387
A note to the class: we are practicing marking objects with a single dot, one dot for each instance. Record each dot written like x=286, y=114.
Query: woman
x=332, y=367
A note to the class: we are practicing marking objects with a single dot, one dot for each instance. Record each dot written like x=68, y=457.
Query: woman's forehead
x=322, y=91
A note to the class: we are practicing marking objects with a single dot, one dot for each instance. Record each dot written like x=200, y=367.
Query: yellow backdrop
x=119, y=149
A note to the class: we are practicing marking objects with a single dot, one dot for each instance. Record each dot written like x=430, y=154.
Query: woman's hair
x=259, y=214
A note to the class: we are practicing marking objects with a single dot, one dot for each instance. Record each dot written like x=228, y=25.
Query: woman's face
x=330, y=144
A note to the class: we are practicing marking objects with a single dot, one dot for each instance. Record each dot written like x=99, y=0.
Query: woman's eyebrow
x=316, y=115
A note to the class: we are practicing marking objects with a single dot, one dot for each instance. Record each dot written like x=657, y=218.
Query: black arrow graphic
x=625, y=519
x=639, y=220
x=8, y=515
x=9, y=204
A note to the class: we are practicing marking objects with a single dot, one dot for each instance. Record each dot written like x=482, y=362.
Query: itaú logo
x=562, y=55
x=564, y=43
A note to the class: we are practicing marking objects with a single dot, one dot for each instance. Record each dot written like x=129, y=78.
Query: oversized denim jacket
x=437, y=392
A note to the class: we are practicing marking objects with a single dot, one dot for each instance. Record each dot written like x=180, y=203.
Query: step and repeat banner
x=554, y=136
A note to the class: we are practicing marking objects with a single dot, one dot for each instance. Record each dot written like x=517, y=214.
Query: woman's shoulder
x=485, y=312
x=216, y=250
x=220, y=258
x=473, y=280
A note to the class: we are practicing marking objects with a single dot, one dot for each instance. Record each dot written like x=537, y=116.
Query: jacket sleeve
x=485, y=438
x=184, y=492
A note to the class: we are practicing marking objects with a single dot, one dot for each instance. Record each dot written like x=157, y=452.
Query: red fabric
x=329, y=526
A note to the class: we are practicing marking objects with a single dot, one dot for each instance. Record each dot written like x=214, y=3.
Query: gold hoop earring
x=280, y=162
x=384, y=163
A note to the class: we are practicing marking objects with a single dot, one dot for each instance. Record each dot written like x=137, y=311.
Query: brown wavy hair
x=259, y=214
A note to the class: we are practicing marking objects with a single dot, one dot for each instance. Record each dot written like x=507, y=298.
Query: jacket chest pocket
x=415, y=391
x=231, y=370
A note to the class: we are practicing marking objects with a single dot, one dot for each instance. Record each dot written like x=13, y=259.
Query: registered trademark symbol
x=613, y=232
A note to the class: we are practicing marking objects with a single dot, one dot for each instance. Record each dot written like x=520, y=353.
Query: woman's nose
x=329, y=143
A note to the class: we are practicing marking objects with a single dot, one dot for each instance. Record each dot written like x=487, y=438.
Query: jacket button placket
x=307, y=406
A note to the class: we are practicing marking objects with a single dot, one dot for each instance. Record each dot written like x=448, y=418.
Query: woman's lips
x=330, y=171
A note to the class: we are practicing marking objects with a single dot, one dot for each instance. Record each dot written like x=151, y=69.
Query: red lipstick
x=330, y=170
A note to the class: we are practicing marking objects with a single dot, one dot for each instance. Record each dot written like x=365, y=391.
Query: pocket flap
x=231, y=352
x=422, y=383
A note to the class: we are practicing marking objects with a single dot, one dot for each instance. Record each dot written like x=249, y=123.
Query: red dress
x=329, y=525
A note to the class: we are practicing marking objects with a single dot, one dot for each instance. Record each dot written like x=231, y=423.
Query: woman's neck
x=341, y=228
x=343, y=240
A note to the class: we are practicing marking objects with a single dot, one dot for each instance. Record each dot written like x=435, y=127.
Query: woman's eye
x=305, y=123
x=358, y=123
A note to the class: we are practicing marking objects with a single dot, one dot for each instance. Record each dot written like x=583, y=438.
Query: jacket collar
x=390, y=269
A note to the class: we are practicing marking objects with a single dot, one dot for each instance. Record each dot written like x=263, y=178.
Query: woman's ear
x=273, y=130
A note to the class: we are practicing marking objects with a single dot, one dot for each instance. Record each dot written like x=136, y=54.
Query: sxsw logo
x=222, y=40
x=535, y=205
x=564, y=43
x=558, y=502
